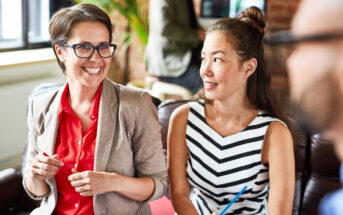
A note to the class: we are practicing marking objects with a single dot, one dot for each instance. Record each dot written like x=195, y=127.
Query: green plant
x=132, y=11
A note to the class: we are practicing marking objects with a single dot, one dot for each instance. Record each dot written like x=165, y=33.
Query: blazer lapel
x=107, y=118
x=51, y=124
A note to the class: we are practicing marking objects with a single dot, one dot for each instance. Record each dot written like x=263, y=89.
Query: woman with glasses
x=233, y=137
x=94, y=145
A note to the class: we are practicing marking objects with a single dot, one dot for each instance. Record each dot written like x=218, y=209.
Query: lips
x=210, y=85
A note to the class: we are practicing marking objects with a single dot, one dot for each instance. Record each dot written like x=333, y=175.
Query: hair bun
x=254, y=16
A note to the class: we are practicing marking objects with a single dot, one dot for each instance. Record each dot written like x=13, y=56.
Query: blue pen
x=232, y=201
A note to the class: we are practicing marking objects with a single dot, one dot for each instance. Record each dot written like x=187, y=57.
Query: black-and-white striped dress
x=219, y=167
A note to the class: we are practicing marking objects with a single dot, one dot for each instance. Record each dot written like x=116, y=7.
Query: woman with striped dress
x=234, y=135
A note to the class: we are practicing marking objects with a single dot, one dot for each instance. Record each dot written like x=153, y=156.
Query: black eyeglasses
x=86, y=50
x=286, y=37
x=283, y=43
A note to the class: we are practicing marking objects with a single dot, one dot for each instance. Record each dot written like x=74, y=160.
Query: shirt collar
x=65, y=107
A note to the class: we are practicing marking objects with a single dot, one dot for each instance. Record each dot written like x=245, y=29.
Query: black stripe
x=264, y=170
x=260, y=210
x=234, y=157
x=265, y=193
x=209, y=192
x=205, y=204
x=239, y=210
x=223, y=202
x=262, y=182
x=254, y=200
x=234, y=183
x=200, y=209
x=201, y=103
x=265, y=115
x=228, y=146
x=227, y=172
x=198, y=115
x=251, y=127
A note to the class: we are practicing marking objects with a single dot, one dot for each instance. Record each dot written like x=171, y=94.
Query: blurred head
x=241, y=41
x=64, y=20
x=316, y=66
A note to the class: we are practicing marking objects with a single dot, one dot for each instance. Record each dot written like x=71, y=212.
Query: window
x=24, y=23
x=227, y=8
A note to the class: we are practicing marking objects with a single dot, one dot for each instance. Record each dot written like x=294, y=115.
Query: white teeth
x=93, y=70
x=207, y=84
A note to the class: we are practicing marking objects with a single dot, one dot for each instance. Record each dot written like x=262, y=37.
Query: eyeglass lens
x=86, y=50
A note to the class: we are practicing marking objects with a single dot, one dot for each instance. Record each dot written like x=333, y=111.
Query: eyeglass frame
x=94, y=48
x=286, y=37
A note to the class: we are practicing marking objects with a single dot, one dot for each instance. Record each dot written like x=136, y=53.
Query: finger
x=47, y=167
x=84, y=188
x=77, y=183
x=75, y=177
x=86, y=193
x=53, y=160
x=42, y=172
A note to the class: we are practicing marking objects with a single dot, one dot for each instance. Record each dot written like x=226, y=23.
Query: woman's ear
x=60, y=53
x=249, y=67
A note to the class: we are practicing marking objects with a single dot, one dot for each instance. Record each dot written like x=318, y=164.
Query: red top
x=77, y=151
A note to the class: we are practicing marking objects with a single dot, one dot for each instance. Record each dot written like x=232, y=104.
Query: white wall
x=16, y=83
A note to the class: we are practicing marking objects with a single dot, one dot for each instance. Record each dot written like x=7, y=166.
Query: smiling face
x=221, y=70
x=85, y=72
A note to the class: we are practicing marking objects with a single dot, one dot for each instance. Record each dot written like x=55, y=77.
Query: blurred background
x=27, y=59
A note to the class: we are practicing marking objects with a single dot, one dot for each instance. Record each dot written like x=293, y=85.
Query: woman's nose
x=205, y=69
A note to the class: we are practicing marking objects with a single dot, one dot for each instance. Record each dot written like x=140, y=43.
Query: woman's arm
x=89, y=183
x=38, y=167
x=279, y=154
x=177, y=161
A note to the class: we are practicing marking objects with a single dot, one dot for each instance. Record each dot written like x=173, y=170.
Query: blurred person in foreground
x=314, y=57
x=94, y=145
x=235, y=135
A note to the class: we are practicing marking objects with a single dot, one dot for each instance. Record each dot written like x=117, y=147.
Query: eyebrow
x=215, y=52
x=86, y=42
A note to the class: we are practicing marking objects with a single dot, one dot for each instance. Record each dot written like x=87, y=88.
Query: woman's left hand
x=89, y=183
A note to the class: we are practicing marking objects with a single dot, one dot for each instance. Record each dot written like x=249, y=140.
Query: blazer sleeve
x=147, y=146
x=31, y=145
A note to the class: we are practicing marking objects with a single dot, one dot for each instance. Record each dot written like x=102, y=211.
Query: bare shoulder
x=278, y=130
x=180, y=114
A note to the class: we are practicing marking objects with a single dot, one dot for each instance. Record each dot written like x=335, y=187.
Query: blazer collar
x=107, y=118
x=51, y=122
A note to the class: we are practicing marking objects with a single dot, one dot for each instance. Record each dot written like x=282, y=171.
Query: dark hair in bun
x=253, y=15
x=245, y=34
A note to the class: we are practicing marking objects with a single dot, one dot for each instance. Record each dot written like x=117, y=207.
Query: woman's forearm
x=35, y=186
x=139, y=189
x=183, y=205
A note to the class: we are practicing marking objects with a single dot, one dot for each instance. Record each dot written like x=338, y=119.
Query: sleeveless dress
x=219, y=167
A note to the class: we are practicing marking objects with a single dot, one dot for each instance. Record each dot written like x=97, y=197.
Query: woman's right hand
x=45, y=167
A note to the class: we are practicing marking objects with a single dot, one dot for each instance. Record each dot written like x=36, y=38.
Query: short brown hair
x=63, y=21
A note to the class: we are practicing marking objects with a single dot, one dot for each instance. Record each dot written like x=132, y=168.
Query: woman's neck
x=81, y=98
x=232, y=109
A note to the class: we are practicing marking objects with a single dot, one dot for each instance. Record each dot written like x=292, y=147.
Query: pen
x=40, y=151
x=232, y=201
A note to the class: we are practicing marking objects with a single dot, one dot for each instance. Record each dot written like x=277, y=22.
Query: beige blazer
x=128, y=142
